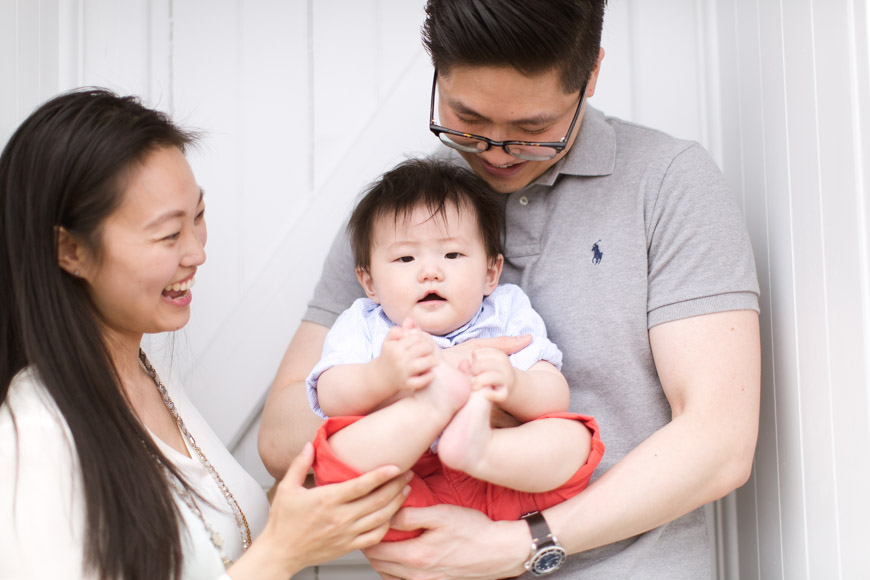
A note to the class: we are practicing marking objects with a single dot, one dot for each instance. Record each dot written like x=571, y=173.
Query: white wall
x=796, y=149
x=306, y=101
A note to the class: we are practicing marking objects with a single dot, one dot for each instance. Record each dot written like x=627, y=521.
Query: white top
x=358, y=334
x=42, y=505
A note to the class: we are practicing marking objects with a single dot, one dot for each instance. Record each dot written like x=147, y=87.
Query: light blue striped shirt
x=359, y=333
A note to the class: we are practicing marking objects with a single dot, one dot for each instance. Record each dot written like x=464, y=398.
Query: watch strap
x=541, y=534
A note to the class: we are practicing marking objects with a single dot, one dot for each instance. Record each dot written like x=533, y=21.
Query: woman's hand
x=457, y=542
x=311, y=526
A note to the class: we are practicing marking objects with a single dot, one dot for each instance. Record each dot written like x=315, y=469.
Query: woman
x=106, y=470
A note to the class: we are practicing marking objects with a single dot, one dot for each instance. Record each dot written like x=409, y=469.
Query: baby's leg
x=401, y=432
x=534, y=457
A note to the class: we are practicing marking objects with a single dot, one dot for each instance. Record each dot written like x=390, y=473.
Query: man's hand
x=507, y=344
x=457, y=542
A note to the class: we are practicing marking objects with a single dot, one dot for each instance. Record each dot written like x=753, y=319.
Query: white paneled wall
x=795, y=146
x=304, y=102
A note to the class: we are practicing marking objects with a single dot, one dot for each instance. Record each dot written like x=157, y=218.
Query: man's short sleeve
x=700, y=258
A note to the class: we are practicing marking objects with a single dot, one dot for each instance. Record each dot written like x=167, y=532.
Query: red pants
x=434, y=483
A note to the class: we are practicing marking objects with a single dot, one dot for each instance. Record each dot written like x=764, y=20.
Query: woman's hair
x=67, y=166
x=532, y=37
x=434, y=184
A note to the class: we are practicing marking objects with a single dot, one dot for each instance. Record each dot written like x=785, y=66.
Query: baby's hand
x=407, y=358
x=491, y=369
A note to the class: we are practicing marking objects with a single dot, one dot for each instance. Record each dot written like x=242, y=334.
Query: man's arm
x=288, y=421
x=710, y=369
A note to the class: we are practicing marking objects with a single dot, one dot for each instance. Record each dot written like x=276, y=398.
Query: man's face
x=503, y=104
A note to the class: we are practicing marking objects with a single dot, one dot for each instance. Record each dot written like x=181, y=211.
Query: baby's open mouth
x=430, y=297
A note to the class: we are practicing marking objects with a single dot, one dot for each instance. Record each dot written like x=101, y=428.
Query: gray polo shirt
x=631, y=229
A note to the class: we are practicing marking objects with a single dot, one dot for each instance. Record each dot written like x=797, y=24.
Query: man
x=631, y=247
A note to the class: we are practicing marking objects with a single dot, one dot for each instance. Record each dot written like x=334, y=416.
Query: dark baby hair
x=432, y=183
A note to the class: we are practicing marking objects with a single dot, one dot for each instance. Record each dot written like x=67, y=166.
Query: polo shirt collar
x=593, y=153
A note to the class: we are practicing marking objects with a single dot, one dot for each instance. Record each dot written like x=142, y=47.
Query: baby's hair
x=435, y=184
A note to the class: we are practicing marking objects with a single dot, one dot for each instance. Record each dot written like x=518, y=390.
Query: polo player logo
x=597, y=254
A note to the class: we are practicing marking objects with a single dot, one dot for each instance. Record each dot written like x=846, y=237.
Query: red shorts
x=434, y=483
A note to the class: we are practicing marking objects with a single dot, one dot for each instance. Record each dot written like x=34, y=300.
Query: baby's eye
x=452, y=255
x=406, y=259
x=200, y=215
x=172, y=237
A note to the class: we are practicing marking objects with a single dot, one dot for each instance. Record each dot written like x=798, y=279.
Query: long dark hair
x=66, y=166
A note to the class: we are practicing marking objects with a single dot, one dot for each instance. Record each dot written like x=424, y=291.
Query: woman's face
x=151, y=247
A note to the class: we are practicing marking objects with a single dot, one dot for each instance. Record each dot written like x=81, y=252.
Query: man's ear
x=70, y=252
x=493, y=273
x=593, y=76
x=367, y=283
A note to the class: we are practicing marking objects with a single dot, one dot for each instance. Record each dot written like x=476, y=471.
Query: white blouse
x=42, y=506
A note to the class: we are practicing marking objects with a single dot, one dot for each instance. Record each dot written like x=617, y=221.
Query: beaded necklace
x=184, y=493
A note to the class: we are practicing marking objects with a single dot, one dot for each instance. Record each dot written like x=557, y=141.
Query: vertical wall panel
x=810, y=293
x=781, y=234
x=115, y=45
x=274, y=137
x=742, y=161
x=615, y=92
x=27, y=37
x=207, y=90
x=665, y=59
x=842, y=200
x=801, y=131
x=9, y=62
x=345, y=46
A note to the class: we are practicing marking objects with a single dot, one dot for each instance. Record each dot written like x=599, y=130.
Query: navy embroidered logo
x=597, y=254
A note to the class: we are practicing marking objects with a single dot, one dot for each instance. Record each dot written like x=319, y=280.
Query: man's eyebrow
x=159, y=220
x=461, y=108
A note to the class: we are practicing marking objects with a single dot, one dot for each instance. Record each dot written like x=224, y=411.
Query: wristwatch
x=547, y=555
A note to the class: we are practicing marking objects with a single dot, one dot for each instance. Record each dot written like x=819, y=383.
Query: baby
x=426, y=241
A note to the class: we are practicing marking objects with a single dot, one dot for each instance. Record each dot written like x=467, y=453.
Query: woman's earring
x=76, y=274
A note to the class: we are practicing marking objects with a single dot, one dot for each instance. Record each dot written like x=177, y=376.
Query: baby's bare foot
x=465, y=439
x=447, y=392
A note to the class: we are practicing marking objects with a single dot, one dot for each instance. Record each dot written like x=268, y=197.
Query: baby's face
x=430, y=269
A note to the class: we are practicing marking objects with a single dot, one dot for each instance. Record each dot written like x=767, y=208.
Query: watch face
x=547, y=560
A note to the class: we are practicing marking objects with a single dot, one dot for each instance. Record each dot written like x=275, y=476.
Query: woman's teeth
x=181, y=286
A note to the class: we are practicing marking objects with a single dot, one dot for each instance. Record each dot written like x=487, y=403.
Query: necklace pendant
x=227, y=563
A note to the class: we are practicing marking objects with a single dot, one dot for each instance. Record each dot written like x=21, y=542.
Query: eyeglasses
x=527, y=150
